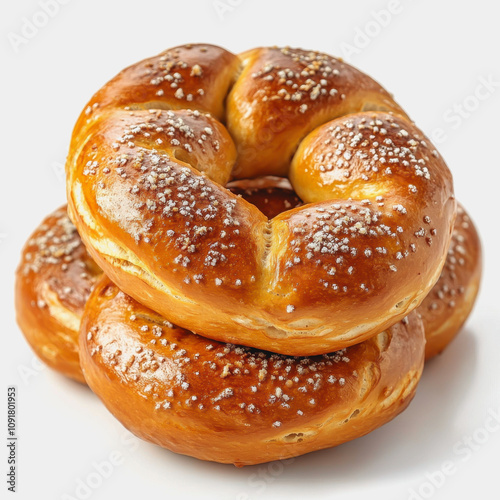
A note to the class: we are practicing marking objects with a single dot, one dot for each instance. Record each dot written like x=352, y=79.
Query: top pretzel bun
x=147, y=168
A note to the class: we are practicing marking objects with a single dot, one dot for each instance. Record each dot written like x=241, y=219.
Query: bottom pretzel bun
x=452, y=298
x=53, y=281
x=234, y=404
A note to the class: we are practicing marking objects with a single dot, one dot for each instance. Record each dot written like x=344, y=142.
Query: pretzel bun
x=234, y=404
x=146, y=175
x=53, y=281
x=450, y=302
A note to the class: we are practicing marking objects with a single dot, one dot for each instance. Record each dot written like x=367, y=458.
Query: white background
x=432, y=55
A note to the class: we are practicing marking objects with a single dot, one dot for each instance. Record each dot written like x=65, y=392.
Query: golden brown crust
x=53, y=281
x=193, y=76
x=450, y=302
x=282, y=94
x=181, y=243
x=234, y=404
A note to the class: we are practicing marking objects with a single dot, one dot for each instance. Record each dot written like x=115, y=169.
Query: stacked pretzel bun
x=262, y=244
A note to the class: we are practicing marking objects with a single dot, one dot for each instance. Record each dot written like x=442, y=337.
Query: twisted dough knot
x=154, y=148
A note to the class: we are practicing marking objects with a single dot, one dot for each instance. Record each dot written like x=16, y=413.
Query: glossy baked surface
x=148, y=164
x=234, y=404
